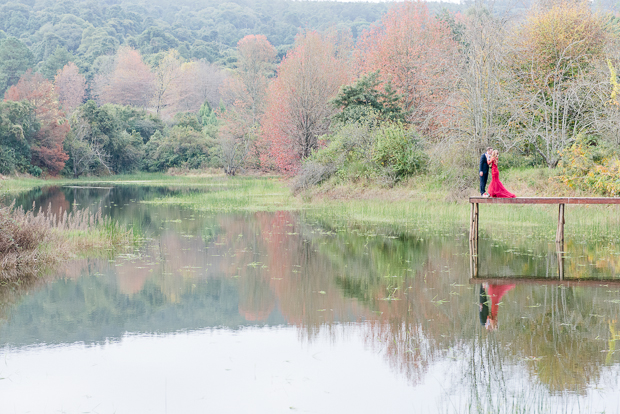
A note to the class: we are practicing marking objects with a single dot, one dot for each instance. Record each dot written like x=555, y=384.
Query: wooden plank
x=546, y=200
x=544, y=281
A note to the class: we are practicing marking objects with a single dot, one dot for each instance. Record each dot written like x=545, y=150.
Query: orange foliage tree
x=167, y=72
x=70, y=86
x=256, y=63
x=46, y=149
x=197, y=82
x=297, y=108
x=237, y=133
x=130, y=82
x=415, y=51
x=555, y=58
x=244, y=94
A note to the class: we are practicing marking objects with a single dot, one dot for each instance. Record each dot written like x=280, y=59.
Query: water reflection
x=490, y=299
x=406, y=298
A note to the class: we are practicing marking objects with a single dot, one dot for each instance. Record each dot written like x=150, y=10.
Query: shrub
x=515, y=160
x=383, y=151
x=181, y=147
x=591, y=166
x=399, y=149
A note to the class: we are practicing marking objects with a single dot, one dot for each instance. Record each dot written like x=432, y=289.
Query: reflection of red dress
x=497, y=189
x=495, y=293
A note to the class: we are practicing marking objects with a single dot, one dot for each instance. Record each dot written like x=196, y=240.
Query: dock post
x=560, y=253
x=559, y=235
x=471, y=222
x=473, y=259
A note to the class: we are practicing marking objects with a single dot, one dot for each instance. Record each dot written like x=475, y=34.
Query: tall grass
x=33, y=242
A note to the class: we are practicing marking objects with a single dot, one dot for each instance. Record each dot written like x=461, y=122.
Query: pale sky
x=379, y=1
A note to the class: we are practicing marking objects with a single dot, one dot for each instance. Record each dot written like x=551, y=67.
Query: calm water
x=286, y=312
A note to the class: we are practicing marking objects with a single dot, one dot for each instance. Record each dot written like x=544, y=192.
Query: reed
x=32, y=242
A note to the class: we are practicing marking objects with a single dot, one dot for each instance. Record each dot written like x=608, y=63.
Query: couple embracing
x=496, y=189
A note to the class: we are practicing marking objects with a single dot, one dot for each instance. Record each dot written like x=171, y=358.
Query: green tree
x=15, y=59
x=98, y=143
x=363, y=97
x=133, y=119
x=18, y=126
x=207, y=115
x=183, y=147
x=55, y=62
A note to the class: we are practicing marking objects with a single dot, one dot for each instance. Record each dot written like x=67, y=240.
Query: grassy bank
x=525, y=182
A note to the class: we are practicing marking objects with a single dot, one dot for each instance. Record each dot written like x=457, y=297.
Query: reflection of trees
x=418, y=314
x=273, y=264
x=570, y=330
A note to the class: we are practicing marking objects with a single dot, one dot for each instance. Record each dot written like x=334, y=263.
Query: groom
x=484, y=171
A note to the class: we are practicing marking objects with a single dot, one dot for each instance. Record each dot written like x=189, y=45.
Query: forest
x=318, y=91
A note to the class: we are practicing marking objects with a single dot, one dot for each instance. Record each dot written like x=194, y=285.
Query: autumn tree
x=197, y=82
x=129, y=82
x=415, y=51
x=70, y=85
x=485, y=84
x=297, y=108
x=47, y=146
x=244, y=95
x=236, y=135
x=556, y=51
x=167, y=72
x=256, y=64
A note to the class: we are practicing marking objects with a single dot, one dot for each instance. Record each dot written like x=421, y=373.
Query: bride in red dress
x=497, y=189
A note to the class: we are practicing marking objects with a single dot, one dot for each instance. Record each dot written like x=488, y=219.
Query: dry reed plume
x=31, y=243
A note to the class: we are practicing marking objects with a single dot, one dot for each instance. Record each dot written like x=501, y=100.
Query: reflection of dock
x=528, y=280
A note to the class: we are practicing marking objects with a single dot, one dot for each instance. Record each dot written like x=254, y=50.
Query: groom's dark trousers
x=484, y=169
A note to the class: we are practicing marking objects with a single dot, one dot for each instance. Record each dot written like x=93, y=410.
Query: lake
x=279, y=312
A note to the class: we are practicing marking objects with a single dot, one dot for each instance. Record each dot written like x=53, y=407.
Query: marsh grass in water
x=238, y=194
x=421, y=217
x=12, y=186
x=414, y=212
x=31, y=243
x=416, y=215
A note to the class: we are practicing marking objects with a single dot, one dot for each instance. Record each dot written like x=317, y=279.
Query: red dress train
x=497, y=189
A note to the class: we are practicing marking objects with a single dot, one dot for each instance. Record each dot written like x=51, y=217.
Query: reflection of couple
x=496, y=189
x=492, y=293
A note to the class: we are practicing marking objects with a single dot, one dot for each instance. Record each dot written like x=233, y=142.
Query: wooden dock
x=559, y=238
x=560, y=201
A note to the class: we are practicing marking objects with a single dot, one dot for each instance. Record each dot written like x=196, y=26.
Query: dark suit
x=484, y=169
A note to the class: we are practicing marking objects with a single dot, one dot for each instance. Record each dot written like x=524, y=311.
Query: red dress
x=497, y=189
